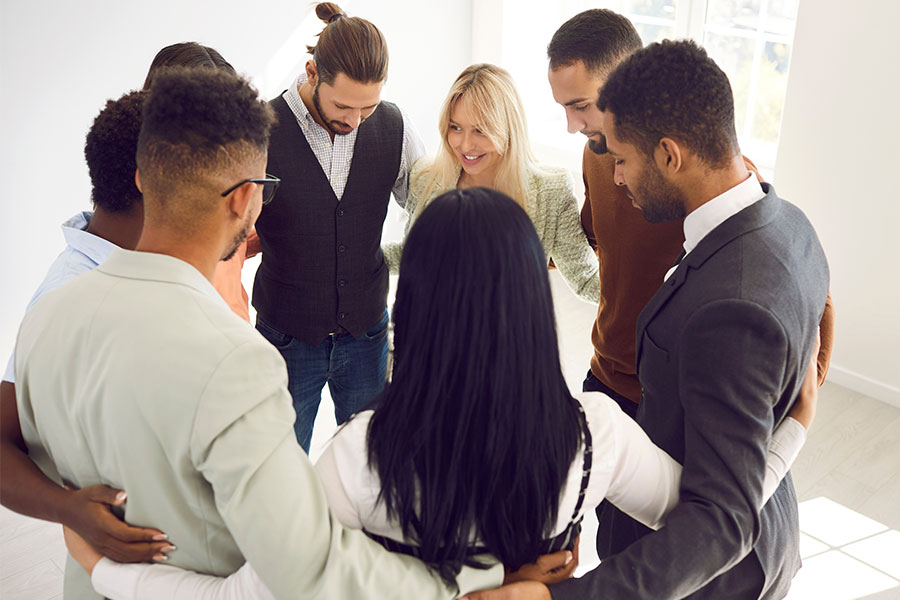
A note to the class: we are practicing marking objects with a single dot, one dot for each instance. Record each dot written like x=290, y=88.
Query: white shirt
x=336, y=157
x=627, y=469
x=84, y=251
x=710, y=215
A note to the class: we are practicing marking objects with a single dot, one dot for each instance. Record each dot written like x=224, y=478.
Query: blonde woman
x=485, y=144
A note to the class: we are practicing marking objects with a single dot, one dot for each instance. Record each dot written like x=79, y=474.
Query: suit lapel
x=753, y=217
x=659, y=299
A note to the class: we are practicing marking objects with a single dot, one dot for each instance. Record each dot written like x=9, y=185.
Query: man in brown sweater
x=634, y=254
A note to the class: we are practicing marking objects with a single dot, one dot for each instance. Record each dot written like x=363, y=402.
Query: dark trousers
x=609, y=538
x=592, y=384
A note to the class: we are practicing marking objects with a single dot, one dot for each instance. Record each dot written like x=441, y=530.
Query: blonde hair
x=497, y=111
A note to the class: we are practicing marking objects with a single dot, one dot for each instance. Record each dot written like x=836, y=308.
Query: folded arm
x=732, y=358
x=25, y=489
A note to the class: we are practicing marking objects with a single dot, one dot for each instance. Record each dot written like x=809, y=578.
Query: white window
x=749, y=39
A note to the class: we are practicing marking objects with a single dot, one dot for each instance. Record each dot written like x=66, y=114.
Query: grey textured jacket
x=722, y=350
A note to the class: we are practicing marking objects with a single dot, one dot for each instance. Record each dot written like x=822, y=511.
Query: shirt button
x=341, y=248
x=342, y=315
x=342, y=282
x=341, y=213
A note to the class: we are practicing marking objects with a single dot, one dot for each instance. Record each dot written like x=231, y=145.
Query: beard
x=335, y=127
x=659, y=200
x=598, y=146
x=239, y=238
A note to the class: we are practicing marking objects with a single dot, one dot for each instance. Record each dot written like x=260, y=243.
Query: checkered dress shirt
x=336, y=157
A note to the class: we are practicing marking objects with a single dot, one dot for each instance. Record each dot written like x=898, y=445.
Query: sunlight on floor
x=846, y=556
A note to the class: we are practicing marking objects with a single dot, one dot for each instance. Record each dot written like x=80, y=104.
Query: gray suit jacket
x=139, y=376
x=722, y=350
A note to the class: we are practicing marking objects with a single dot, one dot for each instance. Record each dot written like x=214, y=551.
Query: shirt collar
x=92, y=246
x=710, y=215
x=150, y=266
x=292, y=96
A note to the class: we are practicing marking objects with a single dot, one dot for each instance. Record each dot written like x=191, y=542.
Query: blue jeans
x=354, y=369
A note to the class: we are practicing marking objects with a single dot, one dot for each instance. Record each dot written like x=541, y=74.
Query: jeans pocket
x=379, y=329
x=275, y=337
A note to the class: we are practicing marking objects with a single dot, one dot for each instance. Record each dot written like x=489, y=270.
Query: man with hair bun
x=321, y=288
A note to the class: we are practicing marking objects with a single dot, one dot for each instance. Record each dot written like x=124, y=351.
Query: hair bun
x=328, y=12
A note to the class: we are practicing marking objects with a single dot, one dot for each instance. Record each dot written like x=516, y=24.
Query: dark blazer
x=722, y=350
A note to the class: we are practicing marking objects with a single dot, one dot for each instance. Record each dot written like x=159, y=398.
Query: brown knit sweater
x=634, y=257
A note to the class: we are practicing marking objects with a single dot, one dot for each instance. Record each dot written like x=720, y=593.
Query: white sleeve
x=413, y=149
x=10, y=373
x=787, y=440
x=628, y=469
x=343, y=469
x=144, y=581
x=641, y=479
x=338, y=500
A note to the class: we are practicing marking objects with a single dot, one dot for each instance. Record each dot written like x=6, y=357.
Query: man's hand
x=27, y=490
x=254, y=246
x=804, y=408
x=524, y=590
x=89, y=514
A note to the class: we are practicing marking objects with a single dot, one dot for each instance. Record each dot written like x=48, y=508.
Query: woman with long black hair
x=476, y=446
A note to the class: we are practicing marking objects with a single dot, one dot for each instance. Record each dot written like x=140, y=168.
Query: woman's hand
x=547, y=569
x=89, y=514
x=81, y=551
x=804, y=409
x=523, y=590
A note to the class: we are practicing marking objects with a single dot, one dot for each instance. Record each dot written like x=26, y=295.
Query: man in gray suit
x=138, y=375
x=722, y=347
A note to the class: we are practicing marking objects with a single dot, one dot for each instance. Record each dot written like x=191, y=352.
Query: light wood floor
x=847, y=480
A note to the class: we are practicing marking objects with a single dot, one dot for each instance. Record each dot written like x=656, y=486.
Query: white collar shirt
x=710, y=215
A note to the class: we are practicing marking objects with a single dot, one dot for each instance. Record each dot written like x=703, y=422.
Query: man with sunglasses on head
x=321, y=288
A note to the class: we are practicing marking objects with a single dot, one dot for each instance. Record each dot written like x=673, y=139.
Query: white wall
x=838, y=160
x=59, y=62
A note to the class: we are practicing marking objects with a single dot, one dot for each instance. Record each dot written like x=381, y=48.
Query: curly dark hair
x=186, y=54
x=597, y=37
x=673, y=89
x=196, y=119
x=110, y=150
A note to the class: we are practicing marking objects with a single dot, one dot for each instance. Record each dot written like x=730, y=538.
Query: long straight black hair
x=477, y=431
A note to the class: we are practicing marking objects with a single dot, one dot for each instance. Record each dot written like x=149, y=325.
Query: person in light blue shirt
x=84, y=251
x=91, y=236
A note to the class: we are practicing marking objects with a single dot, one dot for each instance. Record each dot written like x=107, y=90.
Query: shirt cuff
x=788, y=441
x=115, y=580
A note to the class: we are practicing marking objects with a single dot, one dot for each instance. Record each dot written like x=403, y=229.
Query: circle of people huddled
x=144, y=413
